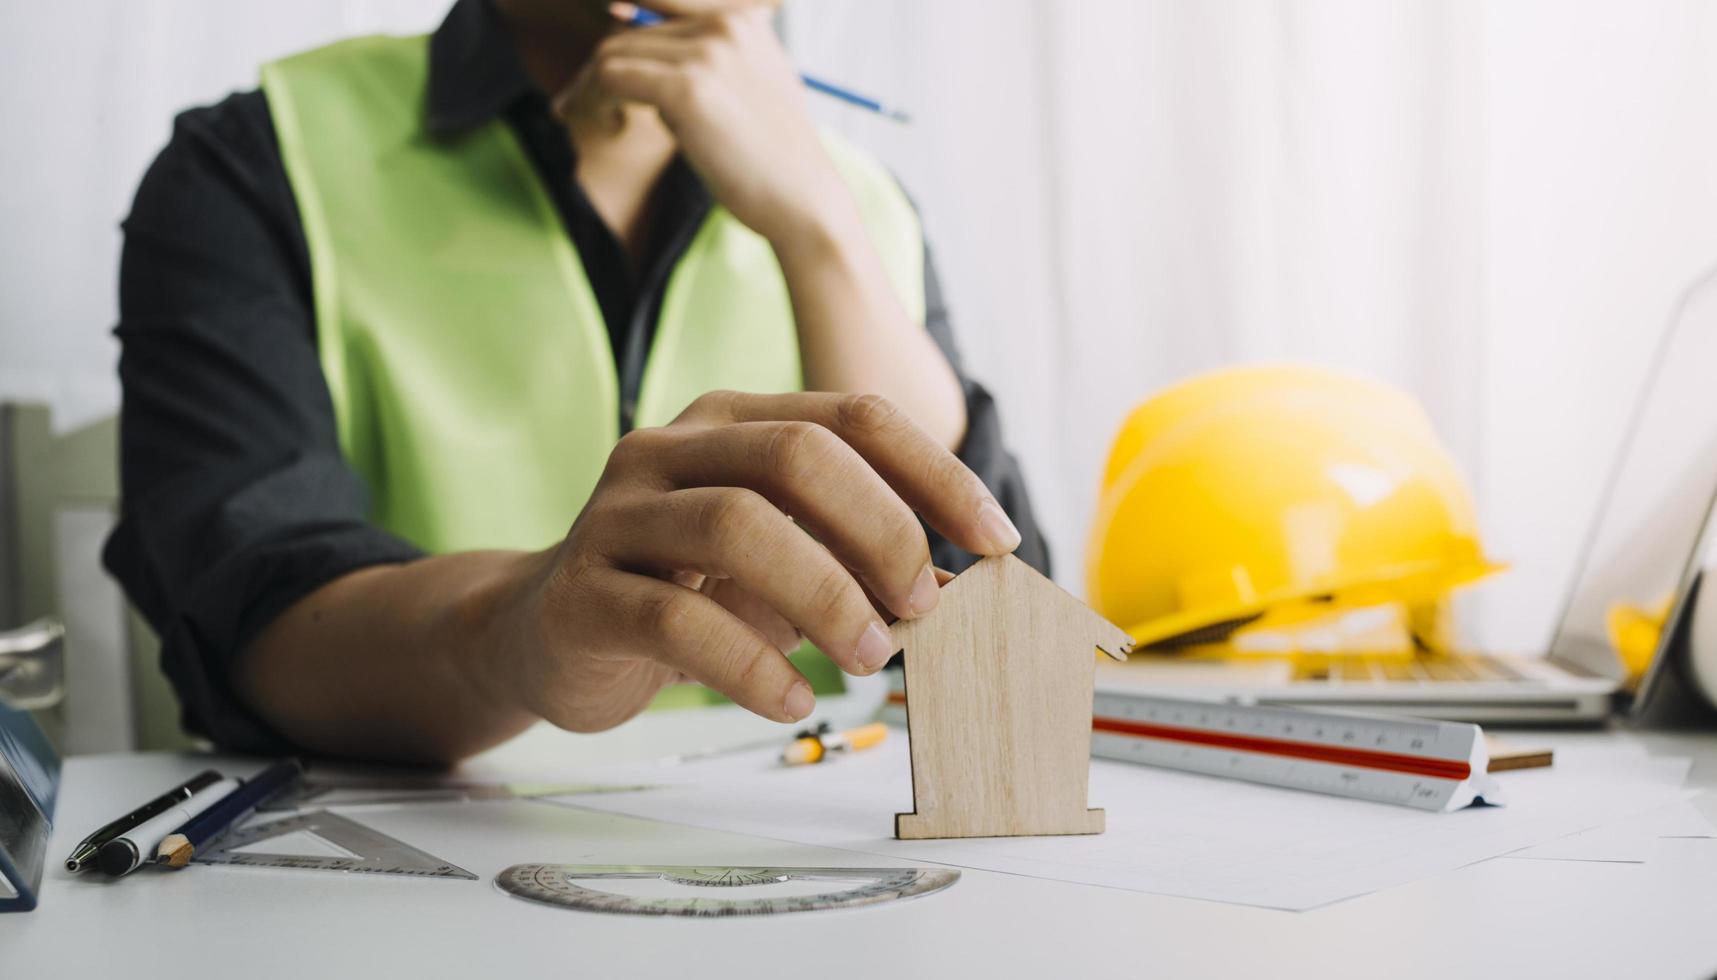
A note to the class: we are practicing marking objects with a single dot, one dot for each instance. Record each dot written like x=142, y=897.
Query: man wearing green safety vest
x=397, y=321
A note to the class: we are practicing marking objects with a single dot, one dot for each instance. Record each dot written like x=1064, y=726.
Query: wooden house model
x=998, y=705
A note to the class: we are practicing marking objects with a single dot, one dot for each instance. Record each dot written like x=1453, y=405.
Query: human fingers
x=635, y=79
x=735, y=534
x=755, y=612
x=807, y=471
x=656, y=44
x=583, y=99
x=691, y=633
x=929, y=478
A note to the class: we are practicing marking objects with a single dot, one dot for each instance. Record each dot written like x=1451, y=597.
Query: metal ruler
x=373, y=852
x=365, y=790
x=563, y=885
x=1430, y=765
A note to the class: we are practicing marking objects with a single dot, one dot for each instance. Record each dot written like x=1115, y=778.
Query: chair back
x=59, y=494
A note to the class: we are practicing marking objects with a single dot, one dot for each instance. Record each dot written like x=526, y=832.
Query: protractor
x=580, y=887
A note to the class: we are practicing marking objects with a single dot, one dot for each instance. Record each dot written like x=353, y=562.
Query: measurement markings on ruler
x=373, y=852
x=1426, y=764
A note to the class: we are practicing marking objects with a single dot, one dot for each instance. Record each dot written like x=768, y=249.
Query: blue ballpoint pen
x=649, y=18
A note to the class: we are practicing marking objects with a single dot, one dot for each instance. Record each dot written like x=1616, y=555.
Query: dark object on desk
x=29, y=784
x=119, y=857
x=1669, y=696
x=181, y=845
x=83, y=856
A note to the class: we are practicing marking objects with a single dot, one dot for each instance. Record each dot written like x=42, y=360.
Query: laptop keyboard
x=1385, y=669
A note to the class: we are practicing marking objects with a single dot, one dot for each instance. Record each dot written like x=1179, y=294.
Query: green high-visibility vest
x=473, y=382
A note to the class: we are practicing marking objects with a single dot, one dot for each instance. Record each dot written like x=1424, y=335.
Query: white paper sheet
x=1681, y=820
x=1628, y=841
x=1169, y=832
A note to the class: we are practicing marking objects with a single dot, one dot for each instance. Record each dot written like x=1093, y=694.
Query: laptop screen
x=1644, y=543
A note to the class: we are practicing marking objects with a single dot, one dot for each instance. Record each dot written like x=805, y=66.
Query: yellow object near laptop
x=1387, y=648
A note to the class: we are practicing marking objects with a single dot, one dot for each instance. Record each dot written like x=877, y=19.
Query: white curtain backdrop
x=1491, y=204
x=88, y=91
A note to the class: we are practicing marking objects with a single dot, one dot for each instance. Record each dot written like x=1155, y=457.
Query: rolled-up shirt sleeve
x=982, y=449
x=236, y=498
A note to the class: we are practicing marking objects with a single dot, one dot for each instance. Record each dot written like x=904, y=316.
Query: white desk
x=1504, y=918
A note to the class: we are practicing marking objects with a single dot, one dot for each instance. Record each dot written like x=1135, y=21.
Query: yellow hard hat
x=1257, y=489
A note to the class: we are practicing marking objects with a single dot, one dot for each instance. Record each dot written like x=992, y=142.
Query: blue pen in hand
x=649, y=18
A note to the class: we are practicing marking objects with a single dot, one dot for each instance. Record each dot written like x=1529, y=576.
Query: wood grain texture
x=1505, y=756
x=998, y=683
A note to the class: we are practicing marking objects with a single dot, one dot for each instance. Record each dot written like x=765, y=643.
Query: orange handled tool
x=815, y=744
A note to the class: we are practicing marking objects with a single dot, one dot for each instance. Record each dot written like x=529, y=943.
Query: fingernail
x=1000, y=531
x=799, y=701
x=924, y=592
x=874, y=647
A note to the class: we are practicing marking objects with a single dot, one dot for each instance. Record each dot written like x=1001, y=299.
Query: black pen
x=177, y=848
x=83, y=856
x=130, y=850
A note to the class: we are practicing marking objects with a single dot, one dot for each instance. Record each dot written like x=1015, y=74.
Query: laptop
x=1641, y=555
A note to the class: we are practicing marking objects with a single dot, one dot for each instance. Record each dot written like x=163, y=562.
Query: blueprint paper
x=1169, y=833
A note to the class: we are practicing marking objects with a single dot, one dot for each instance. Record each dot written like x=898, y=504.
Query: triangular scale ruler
x=578, y=886
x=373, y=852
x=1428, y=765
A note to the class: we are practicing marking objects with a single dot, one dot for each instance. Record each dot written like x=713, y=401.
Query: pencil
x=636, y=16
x=179, y=847
x=123, y=854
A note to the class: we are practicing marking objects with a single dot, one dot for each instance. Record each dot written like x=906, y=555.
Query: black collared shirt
x=236, y=498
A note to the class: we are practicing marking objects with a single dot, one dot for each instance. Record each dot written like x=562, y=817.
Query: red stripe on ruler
x=1311, y=751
